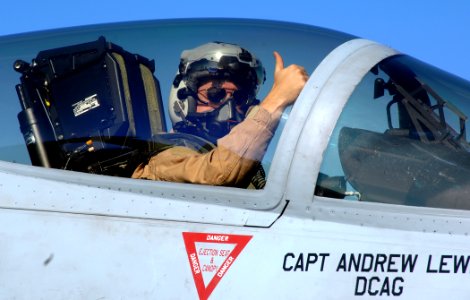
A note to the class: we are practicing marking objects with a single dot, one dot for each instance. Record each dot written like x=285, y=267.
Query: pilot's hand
x=288, y=82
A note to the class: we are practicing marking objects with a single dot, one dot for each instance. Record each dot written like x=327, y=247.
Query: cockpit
x=98, y=103
x=95, y=101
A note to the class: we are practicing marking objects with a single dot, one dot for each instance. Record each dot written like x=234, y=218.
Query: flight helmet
x=217, y=62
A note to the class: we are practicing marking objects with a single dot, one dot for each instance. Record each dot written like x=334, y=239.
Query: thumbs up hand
x=288, y=82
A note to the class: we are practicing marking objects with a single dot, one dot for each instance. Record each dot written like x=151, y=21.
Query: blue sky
x=433, y=31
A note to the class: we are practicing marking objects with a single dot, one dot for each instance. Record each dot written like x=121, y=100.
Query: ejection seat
x=89, y=107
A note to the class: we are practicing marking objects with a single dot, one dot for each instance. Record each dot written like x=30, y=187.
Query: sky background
x=436, y=32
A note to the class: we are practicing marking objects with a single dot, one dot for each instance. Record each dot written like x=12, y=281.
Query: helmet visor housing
x=223, y=62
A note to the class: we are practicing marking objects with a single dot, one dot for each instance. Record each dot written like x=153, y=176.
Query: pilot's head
x=215, y=85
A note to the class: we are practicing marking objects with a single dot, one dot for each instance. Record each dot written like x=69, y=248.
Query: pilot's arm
x=229, y=164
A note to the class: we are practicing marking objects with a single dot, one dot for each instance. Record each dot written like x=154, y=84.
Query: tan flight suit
x=231, y=163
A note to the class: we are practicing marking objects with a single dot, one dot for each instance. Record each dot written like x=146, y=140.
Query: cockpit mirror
x=379, y=88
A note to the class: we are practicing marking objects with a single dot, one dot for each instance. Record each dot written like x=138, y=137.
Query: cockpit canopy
x=110, y=113
x=400, y=138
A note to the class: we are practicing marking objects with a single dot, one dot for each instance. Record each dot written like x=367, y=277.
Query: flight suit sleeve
x=236, y=155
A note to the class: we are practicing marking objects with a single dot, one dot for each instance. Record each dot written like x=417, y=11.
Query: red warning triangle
x=210, y=256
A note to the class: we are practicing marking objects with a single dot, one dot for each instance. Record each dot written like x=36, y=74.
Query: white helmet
x=214, y=61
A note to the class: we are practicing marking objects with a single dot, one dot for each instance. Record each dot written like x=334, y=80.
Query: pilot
x=214, y=97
